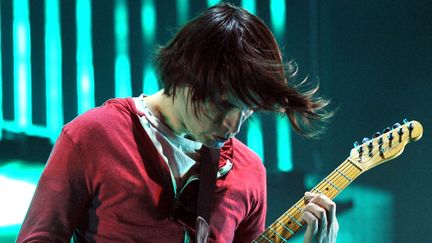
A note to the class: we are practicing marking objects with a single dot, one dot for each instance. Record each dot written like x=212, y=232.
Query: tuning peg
x=380, y=141
x=390, y=138
x=360, y=150
x=377, y=134
x=400, y=132
x=410, y=127
x=365, y=140
x=358, y=147
x=396, y=125
x=370, y=148
x=405, y=121
x=387, y=129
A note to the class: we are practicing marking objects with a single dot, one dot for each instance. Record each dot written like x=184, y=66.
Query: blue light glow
x=254, y=137
x=284, y=147
x=123, y=86
x=18, y=181
x=122, y=76
x=249, y=5
x=277, y=16
x=148, y=21
x=85, y=74
x=182, y=11
x=53, y=69
x=1, y=83
x=22, y=64
x=14, y=207
x=150, y=85
x=212, y=2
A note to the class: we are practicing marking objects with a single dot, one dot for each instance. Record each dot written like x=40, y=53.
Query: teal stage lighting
x=85, y=73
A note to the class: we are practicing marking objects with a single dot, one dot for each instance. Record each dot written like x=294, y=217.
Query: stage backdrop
x=372, y=58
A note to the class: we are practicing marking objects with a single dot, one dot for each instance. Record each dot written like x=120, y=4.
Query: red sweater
x=105, y=182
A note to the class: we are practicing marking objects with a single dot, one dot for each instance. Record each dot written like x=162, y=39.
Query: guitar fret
x=350, y=169
x=361, y=170
x=278, y=235
x=291, y=217
x=288, y=229
x=297, y=207
x=333, y=185
x=266, y=238
x=318, y=190
x=346, y=177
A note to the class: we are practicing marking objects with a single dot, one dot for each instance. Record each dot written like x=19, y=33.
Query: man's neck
x=164, y=108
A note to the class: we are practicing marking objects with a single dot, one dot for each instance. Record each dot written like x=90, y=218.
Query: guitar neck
x=382, y=148
x=289, y=223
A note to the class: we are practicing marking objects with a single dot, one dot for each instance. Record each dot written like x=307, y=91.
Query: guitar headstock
x=386, y=145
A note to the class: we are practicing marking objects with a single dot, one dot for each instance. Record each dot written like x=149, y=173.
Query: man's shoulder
x=110, y=116
x=246, y=157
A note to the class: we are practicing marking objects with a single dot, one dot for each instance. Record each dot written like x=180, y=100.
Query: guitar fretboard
x=289, y=223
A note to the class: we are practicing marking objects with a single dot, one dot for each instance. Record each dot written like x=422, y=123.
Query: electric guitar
x=363, y=157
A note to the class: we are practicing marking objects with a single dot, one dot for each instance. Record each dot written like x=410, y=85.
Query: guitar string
x=295, y=215
x=351, y=168
x=374, y=150
x=333, y=174
x=343, y=167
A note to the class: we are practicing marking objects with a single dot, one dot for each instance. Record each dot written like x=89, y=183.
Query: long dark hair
x=226, y=49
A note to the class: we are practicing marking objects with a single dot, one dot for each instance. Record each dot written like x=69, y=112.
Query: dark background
x=373, y=59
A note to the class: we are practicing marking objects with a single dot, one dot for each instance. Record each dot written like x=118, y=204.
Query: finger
x=324, y=202
x=316, y=227
x=312, y=226
x=319, y=212
x=309, y=195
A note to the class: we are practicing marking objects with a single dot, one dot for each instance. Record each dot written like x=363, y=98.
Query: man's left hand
x=320, y=217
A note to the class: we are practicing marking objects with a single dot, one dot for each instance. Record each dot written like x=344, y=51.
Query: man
x=117, y=172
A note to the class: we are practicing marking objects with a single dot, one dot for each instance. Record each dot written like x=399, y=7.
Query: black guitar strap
x=208, y=172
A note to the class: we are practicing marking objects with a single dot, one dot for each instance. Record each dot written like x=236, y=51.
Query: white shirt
x=172, y=148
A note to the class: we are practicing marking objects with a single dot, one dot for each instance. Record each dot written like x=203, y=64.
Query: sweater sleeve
x=254, y=223
x=60, y=198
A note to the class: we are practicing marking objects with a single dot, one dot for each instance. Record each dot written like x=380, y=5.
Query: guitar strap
x=208, y=172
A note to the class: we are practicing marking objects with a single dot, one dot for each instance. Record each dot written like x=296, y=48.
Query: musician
x=121, y=172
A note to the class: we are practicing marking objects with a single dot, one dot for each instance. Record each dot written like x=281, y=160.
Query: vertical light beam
x=53, y=69
x=85, y=74
x=123, y=86
x=22, y=64
x=212, y=2
x=284, y=150
x=283, y=131
x=254, y=137
x=1, y=83
x=277, y=16
x=148, y=23
x=249, y=5
x=150, y=85
x=182, y=11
